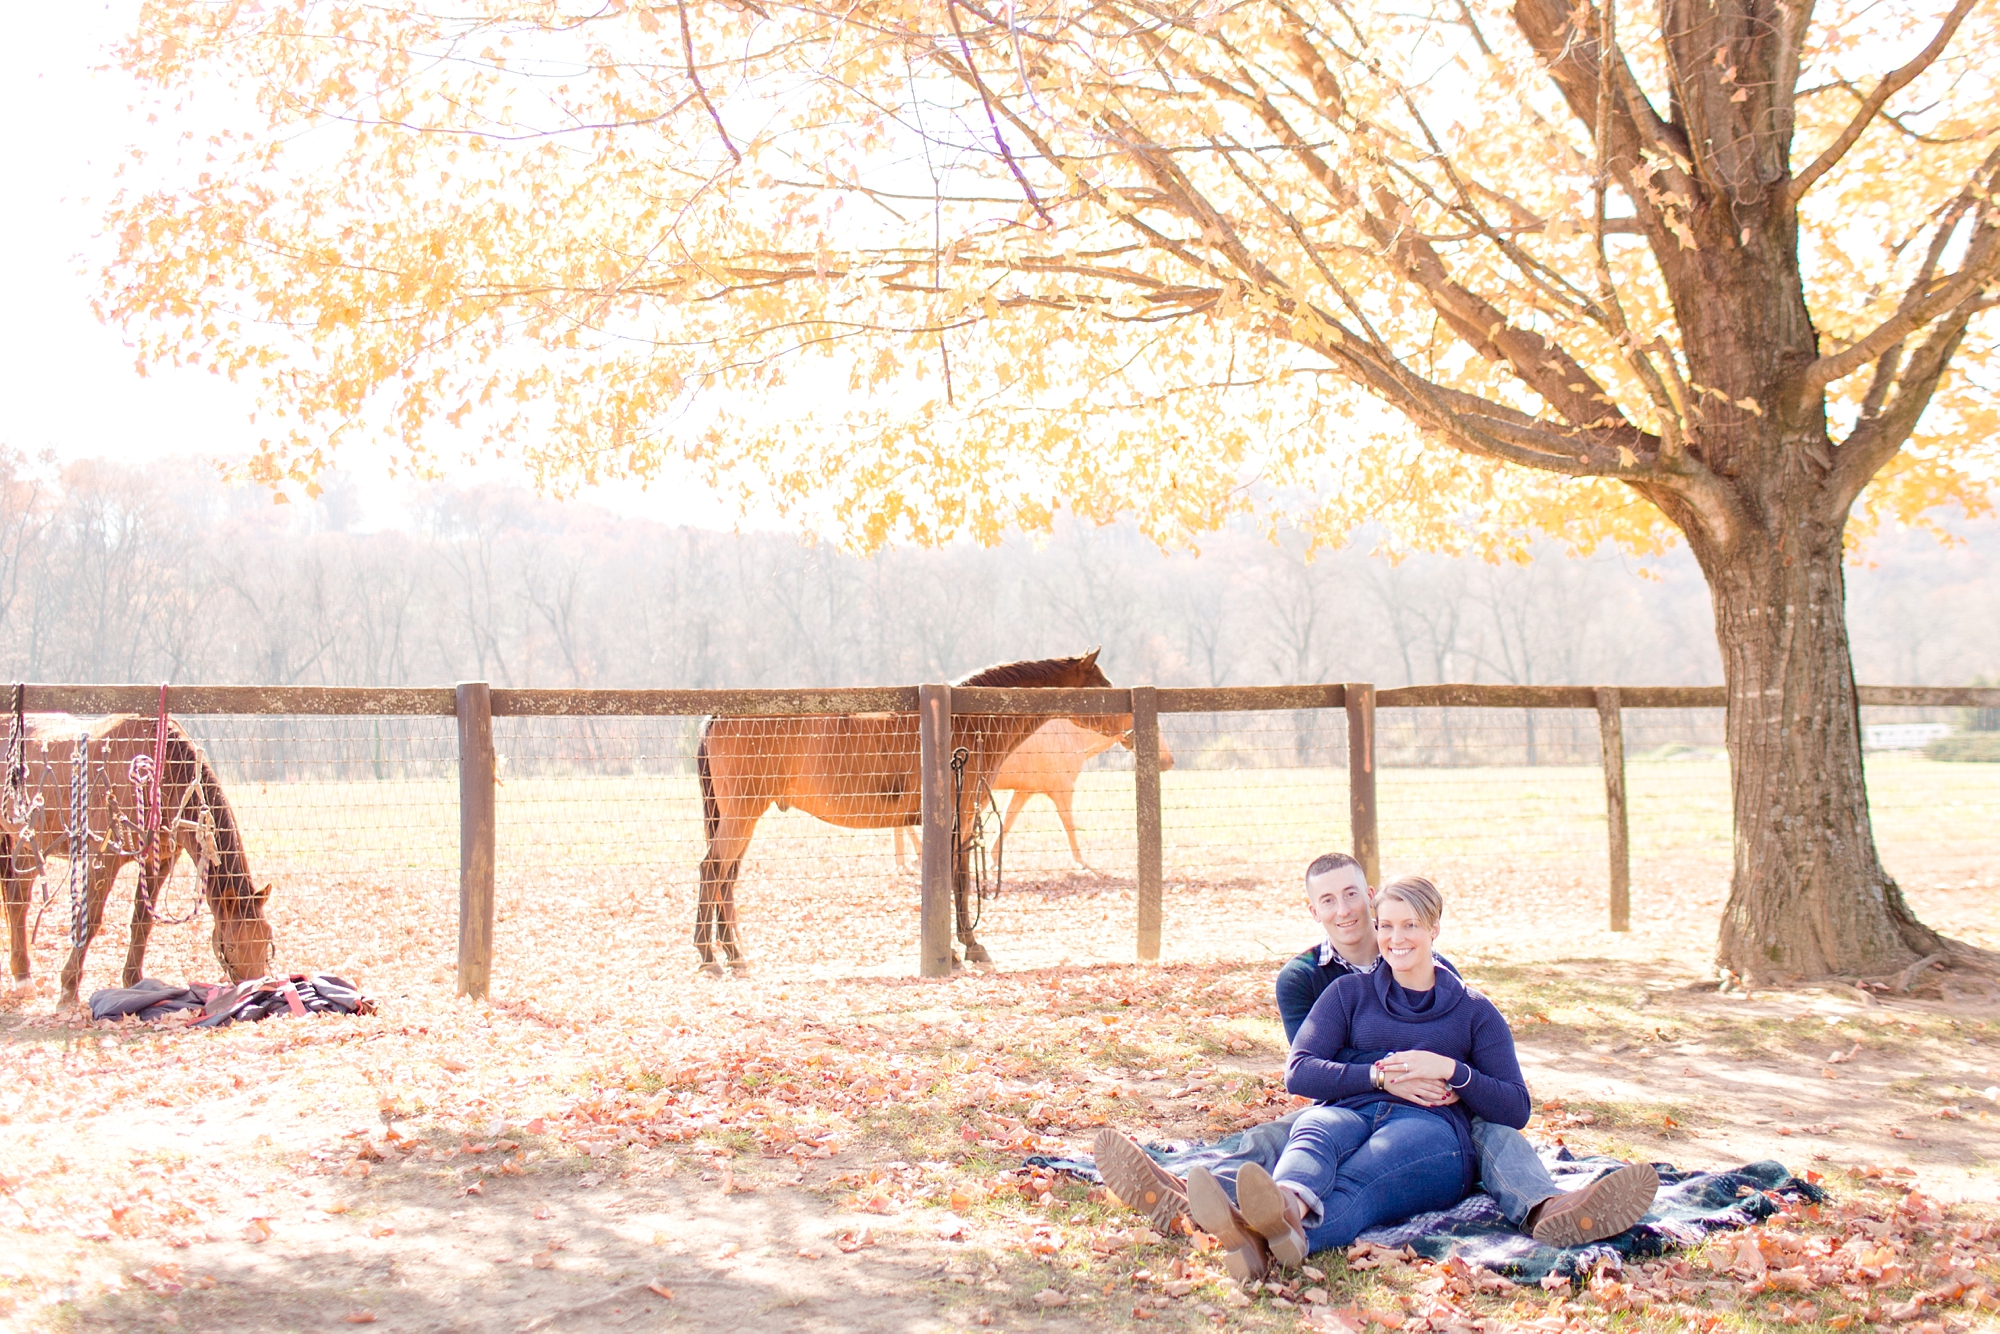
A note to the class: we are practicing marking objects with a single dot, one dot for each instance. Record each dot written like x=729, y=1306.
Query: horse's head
x=1088, y=673
x=242, y=937
x=1078, y=673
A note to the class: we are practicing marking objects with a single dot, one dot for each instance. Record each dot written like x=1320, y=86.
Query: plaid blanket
x=1689, y=1207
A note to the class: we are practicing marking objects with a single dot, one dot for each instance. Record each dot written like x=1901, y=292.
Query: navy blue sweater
x=1303, y=980
x=1370, y=1012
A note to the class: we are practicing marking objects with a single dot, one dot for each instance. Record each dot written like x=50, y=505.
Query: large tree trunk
x=1809, y=896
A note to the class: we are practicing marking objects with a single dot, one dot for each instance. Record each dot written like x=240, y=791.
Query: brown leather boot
x=1273, y=1213
x=1132, y=1175
x=1244, y=1254
x=1604, y=1208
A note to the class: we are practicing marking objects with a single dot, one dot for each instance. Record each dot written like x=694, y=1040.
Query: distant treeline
x=160, y=572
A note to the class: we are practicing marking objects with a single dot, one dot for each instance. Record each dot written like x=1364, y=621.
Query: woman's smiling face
x=1401, y=935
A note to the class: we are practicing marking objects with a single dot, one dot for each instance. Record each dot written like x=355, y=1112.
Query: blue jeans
x=1509, y=1168
x=1357, y=1167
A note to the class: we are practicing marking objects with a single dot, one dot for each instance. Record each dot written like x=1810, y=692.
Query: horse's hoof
x=976, y=953
x=739, y=967
x=709, y=970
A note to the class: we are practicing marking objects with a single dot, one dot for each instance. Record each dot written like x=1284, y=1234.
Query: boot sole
x=1134, y=1178
x=1608, y=1206
x=1263, y=1207
x=1209, y=1206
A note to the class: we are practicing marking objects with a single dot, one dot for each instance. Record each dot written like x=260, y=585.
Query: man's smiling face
x=1338, y=901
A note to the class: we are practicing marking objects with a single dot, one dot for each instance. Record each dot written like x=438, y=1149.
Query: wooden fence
x=475, y=704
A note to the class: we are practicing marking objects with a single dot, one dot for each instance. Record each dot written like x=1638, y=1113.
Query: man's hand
x=1423, y=1092
x=1417, y=1064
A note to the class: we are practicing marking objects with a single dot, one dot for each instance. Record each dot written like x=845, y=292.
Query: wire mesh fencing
x=352, y=822
x=603, y=825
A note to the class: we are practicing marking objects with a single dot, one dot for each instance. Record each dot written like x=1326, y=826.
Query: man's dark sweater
x=1371, y=1012
x=1305, y=979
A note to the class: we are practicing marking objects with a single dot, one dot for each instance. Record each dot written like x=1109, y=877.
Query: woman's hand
x=1418, y=1065
x=1423, y=1092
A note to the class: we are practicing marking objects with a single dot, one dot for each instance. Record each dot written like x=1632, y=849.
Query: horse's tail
x=711, y=813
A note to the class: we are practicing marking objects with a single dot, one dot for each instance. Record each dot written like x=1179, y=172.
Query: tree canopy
x=959, y=265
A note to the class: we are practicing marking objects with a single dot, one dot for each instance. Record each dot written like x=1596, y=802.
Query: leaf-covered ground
x=803, y=1154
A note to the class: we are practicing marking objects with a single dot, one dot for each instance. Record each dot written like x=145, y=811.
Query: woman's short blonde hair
x=1421, y=896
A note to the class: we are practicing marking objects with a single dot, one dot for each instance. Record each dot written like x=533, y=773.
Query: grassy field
x=365, y=873
x=830, y=1145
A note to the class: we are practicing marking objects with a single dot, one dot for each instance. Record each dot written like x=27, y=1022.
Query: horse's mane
x=229, y=880
x=1036, y=672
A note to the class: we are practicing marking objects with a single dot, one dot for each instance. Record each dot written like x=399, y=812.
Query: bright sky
x=67, y=382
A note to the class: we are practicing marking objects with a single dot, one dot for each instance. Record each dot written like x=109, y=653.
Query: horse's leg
x=95, y=893
x=725, y=920
x=704, y=912
x=715, y=915
x=1065, y=800
x=145, y=902
x=18, y=891
x=1015, y=801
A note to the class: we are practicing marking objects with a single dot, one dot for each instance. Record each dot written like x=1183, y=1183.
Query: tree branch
x=1980, y=269
x=1891, y=84
x=687, y=46
x=972, y=75
x=1881, y=437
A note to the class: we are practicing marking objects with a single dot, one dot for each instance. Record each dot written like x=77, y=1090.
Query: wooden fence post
x=475, y=839
x=937, y=857
x=1611, y=731
x=1361, y=778
x=1146, y=791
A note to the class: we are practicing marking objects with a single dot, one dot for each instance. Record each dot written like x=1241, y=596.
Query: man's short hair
x=1332, y=861
x=1419, y=893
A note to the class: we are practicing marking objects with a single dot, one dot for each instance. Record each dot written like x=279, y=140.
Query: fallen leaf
x=660, y=1290
x=257, y=1232
x=359, y=1317
x=1050, y=1297
x=380, y=1230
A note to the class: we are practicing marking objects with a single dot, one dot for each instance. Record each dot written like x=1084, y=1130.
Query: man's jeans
x=1509, y=1168
x=1360, y=1166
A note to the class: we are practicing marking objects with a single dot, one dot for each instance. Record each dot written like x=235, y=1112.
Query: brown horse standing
x=192, y=816
x=859, y=771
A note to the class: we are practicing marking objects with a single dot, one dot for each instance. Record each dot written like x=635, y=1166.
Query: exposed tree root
x=1929, y=974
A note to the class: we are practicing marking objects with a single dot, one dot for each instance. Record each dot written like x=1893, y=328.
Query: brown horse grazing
x=142, y=797
x=859, y=771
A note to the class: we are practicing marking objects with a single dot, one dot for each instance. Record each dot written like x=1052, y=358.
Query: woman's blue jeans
x=1369, y=1165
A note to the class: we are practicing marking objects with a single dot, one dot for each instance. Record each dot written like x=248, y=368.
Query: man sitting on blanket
x=1338, y=898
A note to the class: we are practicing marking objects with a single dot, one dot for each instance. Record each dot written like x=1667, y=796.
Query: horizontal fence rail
x=1342, y=722
x=442, y=702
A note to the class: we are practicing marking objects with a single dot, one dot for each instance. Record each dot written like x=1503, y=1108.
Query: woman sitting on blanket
x=1363, y=1156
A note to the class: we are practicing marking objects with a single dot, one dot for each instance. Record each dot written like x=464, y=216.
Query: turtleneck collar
x=1443, y=997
